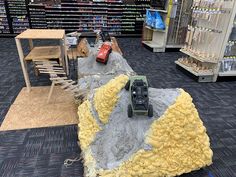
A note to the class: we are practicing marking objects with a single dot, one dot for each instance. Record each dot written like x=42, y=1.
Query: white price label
x=71, y=40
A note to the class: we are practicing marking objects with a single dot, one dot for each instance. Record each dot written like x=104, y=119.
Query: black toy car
x=138, y=88
x=105, y=36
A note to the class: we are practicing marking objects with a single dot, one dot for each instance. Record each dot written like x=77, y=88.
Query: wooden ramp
x=57, y=76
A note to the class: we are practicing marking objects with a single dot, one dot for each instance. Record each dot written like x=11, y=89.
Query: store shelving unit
x=228, y=62
x=118, y=17
x=18, y=15
x=207, y=38
x=155, y=39
x=133, y=16
x=179, y=17
x=115, y=16
x=4, y=23
x=37, y=16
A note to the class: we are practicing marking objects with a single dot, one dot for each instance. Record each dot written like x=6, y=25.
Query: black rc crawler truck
x=138, y=88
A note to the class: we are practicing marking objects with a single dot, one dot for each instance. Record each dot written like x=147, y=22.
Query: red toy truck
x=104, y=53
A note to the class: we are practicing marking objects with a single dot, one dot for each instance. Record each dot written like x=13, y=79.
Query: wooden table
x=49, y=52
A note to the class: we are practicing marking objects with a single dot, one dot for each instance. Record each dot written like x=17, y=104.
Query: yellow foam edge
x=179, y=145
x=106, y=97
x=87, y=125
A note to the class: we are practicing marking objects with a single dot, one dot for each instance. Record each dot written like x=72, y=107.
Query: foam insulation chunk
x=87, y=124
x=106, y=96
x=179, y=144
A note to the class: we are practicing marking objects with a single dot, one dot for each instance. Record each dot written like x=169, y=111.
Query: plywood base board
x=31, y=110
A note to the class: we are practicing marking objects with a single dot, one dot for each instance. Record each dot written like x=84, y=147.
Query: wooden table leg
x=31, y=45
x=50, y=92
x=65, y=54
x=62, y=61
x=23, y=64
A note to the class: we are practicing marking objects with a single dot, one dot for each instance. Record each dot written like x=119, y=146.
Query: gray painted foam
x=92, y=74
x=116, y=65
x=93, y=81
x=123, y=136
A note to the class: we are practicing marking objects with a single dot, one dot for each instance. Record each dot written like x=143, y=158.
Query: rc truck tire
x=130, y=111
x=127, y=85
x=150, y=110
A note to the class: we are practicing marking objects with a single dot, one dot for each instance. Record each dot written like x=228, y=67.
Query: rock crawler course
x=174, y=141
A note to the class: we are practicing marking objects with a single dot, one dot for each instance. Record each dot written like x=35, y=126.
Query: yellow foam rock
x=87, y=124
x=106, y=97
x=89, y=163
x=179, y=145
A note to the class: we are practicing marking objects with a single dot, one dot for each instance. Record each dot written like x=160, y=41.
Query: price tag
x=71, y=41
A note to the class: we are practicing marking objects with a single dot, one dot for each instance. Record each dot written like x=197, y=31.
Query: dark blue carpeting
x=41, y=152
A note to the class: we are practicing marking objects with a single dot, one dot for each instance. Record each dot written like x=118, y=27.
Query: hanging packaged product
x=154, y=19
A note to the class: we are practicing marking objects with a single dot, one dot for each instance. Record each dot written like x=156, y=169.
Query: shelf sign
x=71, y=41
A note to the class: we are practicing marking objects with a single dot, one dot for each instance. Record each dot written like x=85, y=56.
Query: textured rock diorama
x=92, y=74
x=172, y=142
x=83, y=48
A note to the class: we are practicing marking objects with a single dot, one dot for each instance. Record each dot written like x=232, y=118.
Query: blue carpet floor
x=41, y=152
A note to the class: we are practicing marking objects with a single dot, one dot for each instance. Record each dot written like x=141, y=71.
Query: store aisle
x=41, y=152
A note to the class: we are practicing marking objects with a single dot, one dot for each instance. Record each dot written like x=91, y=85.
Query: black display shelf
x=18, y=15
x=113, y=16
x=4, y=19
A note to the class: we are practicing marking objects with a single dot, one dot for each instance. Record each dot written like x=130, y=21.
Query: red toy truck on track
x=104, y=53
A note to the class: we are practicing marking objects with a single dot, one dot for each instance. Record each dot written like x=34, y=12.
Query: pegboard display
x=180, y=16
x=207, y=37
x=228, y=63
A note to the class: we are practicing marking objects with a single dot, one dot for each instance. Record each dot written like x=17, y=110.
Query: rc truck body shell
x=104, y=53
x=138, y=93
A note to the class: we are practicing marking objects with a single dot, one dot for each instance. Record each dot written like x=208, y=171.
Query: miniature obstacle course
x=171, y=143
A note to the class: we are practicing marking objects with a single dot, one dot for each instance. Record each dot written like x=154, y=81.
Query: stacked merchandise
x=55, y=15
x=37, y=16
x=4, y=26
x=100, y=14
x=228, y=64
x=133, y=16
x=114, y=16
x=18, y=14
x=179, y=18
x=155, y=28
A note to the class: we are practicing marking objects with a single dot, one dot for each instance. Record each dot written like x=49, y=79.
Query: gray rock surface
x=93, y=81
x=123, y=136
x=116, y=65
x=92, y=74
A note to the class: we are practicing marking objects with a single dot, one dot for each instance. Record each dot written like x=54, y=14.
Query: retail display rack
x=121, y=17
x=179, y=18
x=155, y=39
x=177, y=15
x=14, y=16
x=4, y=23
x=228, y=62
x=37, y=14
x=207, y=40
x=115, y=16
